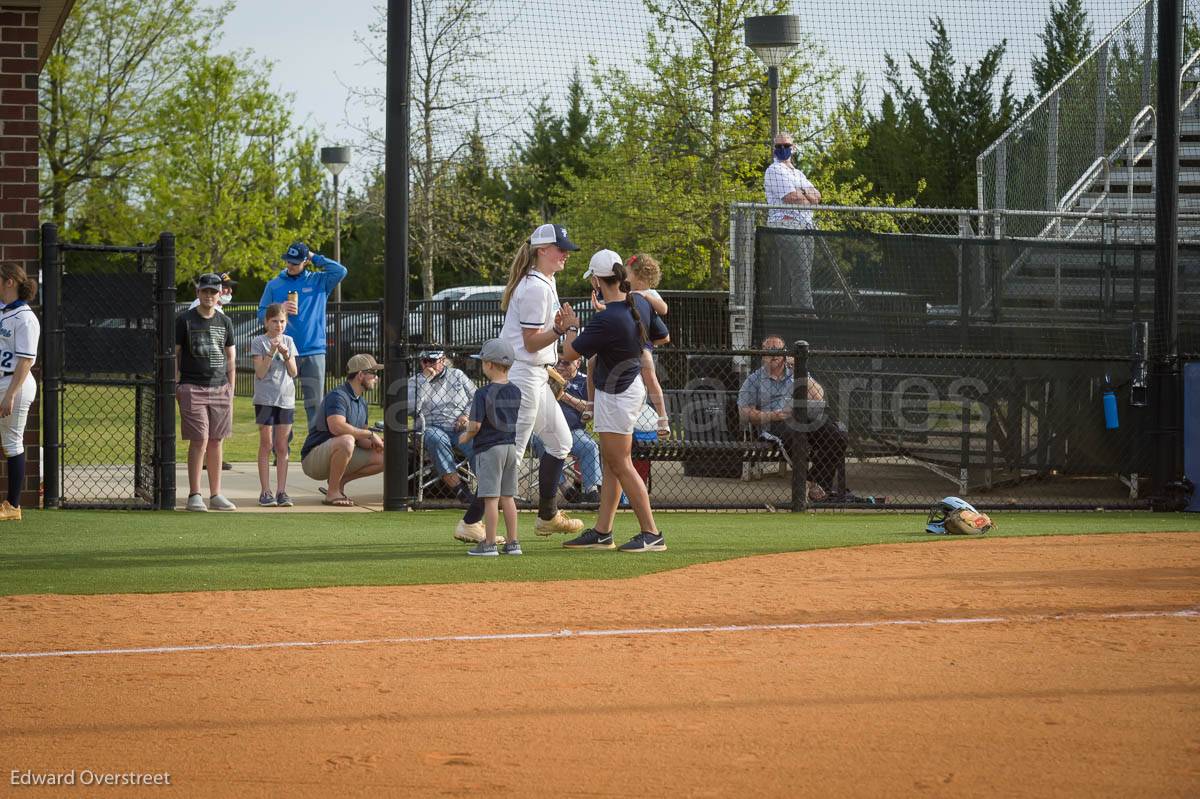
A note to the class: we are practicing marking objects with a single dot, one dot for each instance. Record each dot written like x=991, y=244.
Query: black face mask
x=783, y=152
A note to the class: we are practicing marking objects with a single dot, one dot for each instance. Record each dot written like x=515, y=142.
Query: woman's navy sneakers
x=645, y=542
x=591, y=539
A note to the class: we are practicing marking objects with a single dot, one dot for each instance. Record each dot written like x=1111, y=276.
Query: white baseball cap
x=602, y=264
x=551, y=233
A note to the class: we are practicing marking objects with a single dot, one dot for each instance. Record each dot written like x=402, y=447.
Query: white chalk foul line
x=729, y=628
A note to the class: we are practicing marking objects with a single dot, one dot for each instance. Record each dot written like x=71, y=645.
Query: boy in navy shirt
x=492, y=427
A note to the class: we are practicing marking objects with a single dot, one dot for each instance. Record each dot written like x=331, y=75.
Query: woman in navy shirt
x=616, y=337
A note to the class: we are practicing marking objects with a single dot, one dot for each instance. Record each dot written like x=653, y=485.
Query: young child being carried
x=274, y=402
x=644, y=276
x=492, y=427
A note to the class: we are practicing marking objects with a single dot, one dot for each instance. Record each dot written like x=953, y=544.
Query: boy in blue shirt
x=491, y=429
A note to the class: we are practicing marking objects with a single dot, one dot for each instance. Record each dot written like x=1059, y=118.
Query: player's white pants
x=539, y=412
x=12, y=427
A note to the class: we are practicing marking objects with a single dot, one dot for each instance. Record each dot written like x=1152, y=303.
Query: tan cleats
x=561, y=523
x=473, y=533
x=469, y=533
x=8, y=513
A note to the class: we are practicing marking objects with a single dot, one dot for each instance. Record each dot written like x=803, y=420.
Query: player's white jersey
x=532, y=306
x=19, y=333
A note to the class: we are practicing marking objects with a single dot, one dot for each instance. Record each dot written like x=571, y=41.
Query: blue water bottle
x=1110, y=405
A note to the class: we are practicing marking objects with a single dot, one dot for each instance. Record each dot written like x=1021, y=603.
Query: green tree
x=449, y=44
x=237, y=183
x=364, y=241
x=1066, y=39
x=556, y=149
x=678, y=147
x=101, y=87
x=932, y=131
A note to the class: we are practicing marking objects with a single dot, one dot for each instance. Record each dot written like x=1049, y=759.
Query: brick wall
x=19, y=184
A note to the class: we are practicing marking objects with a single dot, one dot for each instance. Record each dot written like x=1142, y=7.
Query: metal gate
x=109, y=374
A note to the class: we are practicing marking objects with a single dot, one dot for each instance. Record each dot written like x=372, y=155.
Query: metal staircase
x=1085, y=246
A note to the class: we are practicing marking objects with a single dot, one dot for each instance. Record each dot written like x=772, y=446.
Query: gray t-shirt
x=276, y=388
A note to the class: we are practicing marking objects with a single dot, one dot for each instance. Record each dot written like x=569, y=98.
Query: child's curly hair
x=646, y=269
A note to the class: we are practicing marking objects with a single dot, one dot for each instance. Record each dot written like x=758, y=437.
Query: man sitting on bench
x=765, y=403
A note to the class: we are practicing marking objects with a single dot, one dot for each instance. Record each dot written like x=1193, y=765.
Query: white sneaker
x=218, y=502
x=196, y=503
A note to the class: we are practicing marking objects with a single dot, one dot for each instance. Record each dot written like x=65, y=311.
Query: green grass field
x=93, y=552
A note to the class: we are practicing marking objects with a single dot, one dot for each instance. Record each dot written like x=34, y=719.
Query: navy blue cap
x=297, y=254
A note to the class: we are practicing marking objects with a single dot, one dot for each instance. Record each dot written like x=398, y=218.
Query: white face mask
x=225, y=297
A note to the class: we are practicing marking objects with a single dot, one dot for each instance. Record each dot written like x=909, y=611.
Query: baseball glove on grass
x=558, y=383
x=968, y=522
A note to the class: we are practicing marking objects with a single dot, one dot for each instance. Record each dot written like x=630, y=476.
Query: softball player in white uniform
x=531, y=327
x=19, y=334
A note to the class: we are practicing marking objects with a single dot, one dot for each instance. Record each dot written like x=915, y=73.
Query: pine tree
x=1067, y=39
x=932, y=131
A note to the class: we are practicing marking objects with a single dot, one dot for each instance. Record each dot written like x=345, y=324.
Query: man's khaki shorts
x=316, y=463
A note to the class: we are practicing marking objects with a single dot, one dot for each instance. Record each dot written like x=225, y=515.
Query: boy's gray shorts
x=496, y=471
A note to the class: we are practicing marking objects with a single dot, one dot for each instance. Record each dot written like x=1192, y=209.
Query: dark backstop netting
x=1003, y=431
x=908, y=292
x=892, y=431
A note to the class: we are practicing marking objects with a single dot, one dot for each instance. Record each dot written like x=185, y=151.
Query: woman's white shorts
x=616, y=413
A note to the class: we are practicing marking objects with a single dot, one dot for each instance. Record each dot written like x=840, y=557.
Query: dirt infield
x=1073, y=671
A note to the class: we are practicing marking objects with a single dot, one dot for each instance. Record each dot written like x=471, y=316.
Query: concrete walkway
x=240, y=485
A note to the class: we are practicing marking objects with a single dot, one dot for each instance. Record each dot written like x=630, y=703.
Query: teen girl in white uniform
x=531, y=327
x=19, y=334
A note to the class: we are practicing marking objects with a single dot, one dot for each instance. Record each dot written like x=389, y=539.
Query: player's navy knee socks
x=549, y=472
x=463, y=492
x=474, y=512
x=16, y=476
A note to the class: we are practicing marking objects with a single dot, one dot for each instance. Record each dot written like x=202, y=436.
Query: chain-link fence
x=868, y=430
x=698, y=319
x=108, y=374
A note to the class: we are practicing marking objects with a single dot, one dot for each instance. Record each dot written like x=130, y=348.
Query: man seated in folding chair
x=765, y=403
x=584, y=448
x=440, y=397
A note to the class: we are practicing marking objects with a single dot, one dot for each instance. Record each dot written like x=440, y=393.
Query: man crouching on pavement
x=340, y=447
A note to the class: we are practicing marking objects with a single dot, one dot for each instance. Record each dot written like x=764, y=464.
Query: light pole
x=335, y=160
x=773, y=39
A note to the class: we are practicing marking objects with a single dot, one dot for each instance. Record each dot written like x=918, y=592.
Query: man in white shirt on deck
x=786, y=185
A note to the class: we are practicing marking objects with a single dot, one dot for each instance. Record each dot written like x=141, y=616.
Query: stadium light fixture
x=335, y=160
x=773, y=39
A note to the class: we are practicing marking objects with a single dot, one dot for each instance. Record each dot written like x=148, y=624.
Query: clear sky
x=536, y=44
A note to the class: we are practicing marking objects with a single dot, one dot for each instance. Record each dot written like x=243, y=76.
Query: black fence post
x=339, y=347
x=51, y=366
x=164, y=412
x=800, y=424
